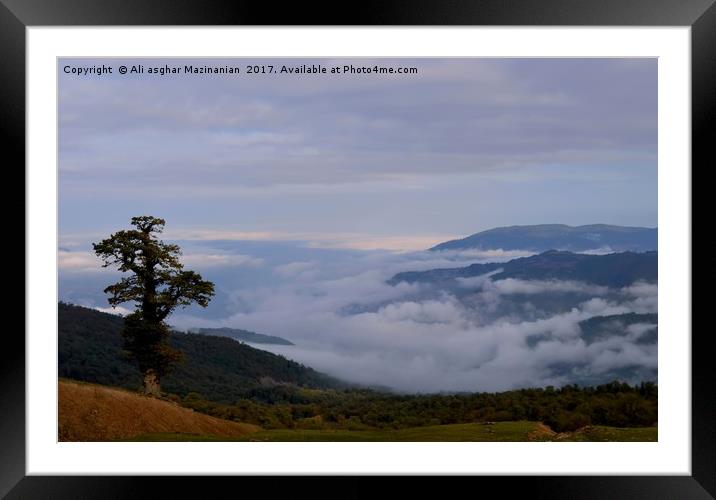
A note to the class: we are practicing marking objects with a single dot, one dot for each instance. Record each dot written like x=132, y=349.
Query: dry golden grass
x=541, y=433
x=89, y=412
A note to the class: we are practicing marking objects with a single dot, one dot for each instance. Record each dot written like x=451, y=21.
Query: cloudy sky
x=464, y=145
x=300, y=195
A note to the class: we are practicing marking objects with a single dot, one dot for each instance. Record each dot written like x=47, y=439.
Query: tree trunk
x=151, y=383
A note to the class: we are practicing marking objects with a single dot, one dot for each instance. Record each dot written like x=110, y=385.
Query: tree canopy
x=157, y=284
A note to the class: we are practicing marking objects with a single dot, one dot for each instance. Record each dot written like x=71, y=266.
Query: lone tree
x=157, y=285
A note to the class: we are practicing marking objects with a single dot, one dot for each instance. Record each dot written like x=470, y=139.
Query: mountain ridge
x=242, y=335
x=615, y=269
x=542, y=237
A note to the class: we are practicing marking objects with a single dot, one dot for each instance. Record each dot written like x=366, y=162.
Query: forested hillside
x=230, y=380
x=613, y=270
x=219, y=368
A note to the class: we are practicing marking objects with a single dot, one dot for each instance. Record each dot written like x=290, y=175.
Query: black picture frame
x=16, y=15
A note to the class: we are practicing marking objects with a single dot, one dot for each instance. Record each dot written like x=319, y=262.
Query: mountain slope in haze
x=243, y=335
x=539, y=238
x=613, y=270
x=598, y=328
x=219, y=368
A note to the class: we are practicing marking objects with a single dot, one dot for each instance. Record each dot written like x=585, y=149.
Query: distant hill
x=599, y=328
x=540, y=238
x=218, y=368
x=613, y=270
x=242, y=335
x=89, y=412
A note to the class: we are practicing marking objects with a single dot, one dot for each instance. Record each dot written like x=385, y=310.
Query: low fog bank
x=478, y=335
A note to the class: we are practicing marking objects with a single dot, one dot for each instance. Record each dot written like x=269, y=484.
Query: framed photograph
x=415, y=241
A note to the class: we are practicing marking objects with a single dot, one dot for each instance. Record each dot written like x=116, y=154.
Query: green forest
x=564, y=409
x=220, y=368
x=231, y=380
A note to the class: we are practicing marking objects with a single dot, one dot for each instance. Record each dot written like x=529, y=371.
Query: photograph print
x=357, y=249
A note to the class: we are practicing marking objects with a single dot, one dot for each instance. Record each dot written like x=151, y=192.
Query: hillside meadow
x=280, y=400
x=520, y=431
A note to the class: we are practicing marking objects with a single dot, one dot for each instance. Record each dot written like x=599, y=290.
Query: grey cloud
x=458, y=116
x=414, y=339
x=466, y=145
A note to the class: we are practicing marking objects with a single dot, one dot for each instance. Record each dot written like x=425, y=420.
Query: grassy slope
x=500, y=431
x=89, y=412
x=618, y=434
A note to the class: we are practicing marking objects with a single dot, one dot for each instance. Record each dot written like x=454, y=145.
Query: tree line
x=563, y=409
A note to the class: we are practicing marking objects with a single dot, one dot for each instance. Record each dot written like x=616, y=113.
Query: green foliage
x=147, y=344
x=231, y=380
x=476, y=432
x=219, y=368
x=157, y=285
x=90, y=348
x=563, y=409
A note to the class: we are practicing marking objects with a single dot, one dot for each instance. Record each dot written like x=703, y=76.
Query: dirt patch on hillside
x=541, y=433
x=90, y=412
x=581, y=434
